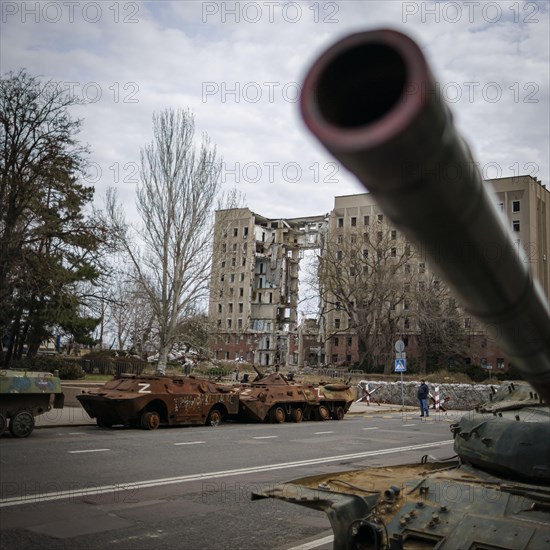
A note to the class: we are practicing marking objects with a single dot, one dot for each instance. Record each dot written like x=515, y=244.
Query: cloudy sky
x=238, y=66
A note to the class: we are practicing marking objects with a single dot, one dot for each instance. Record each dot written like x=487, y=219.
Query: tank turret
x=372, y=101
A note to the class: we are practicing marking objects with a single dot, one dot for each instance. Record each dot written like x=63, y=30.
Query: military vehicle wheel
x=22, y=424
x=297, y=415
x=277, y=415
x=338, y=413
x=214, y=418
x=150, y=420
x=322, y=413
x=3, y=423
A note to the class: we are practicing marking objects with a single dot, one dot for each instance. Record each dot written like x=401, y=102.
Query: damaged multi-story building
x=255, y=275
x=254, y=285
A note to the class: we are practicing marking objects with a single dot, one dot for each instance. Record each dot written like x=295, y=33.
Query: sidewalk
x=388, y=408
x=67, y=416
x=77, y=416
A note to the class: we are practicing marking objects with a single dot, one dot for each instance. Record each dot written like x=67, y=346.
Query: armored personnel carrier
x=149, y=401
x=276, y=399
x=24, y=395
x=371, y=100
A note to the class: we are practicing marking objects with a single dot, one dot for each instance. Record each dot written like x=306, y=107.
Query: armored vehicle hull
x=494, y=494
x=149, y=401
x=443, y=505
x=24, y=395
x=276, y=399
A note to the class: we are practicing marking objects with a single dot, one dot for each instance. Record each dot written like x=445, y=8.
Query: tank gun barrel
x=372, y=101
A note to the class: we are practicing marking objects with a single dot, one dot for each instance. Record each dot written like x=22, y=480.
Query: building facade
x=254, y=284
x=255, y=268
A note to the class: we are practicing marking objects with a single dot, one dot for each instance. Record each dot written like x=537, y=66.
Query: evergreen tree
x=48, y=244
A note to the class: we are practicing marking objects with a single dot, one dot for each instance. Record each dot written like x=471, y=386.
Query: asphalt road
x=190, y=487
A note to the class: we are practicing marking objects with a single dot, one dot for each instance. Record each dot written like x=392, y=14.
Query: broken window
x=515, y=206
x=515, y=225
x=353, y=221
x=235, y=232
x=380, y=218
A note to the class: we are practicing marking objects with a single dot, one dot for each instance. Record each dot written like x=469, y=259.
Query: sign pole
x=402, y=393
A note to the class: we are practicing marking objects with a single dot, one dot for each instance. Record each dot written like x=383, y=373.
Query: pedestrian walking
x=423, y=392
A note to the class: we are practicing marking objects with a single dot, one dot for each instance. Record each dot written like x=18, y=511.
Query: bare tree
x=175, y=199
x=363, y=282
x=439, y=332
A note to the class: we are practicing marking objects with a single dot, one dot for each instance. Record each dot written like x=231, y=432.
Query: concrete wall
x=461, y=396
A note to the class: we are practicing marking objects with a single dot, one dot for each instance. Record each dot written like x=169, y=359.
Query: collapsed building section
x=254, y=285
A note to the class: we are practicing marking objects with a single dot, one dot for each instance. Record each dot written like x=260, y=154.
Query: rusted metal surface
x=149, y=401
x=276, y=399
x=24, y=395
x=442, y=505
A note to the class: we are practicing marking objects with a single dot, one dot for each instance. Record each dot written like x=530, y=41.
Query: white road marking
x=89, y=451
x=132, y=486
x=370, y=428
x=405, y=425
x=321, y=433
x=190, y=443
x=266, y=437
x=75, y=433
x=314, y=543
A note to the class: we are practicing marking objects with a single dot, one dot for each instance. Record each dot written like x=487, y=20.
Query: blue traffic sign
x=400, y=365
